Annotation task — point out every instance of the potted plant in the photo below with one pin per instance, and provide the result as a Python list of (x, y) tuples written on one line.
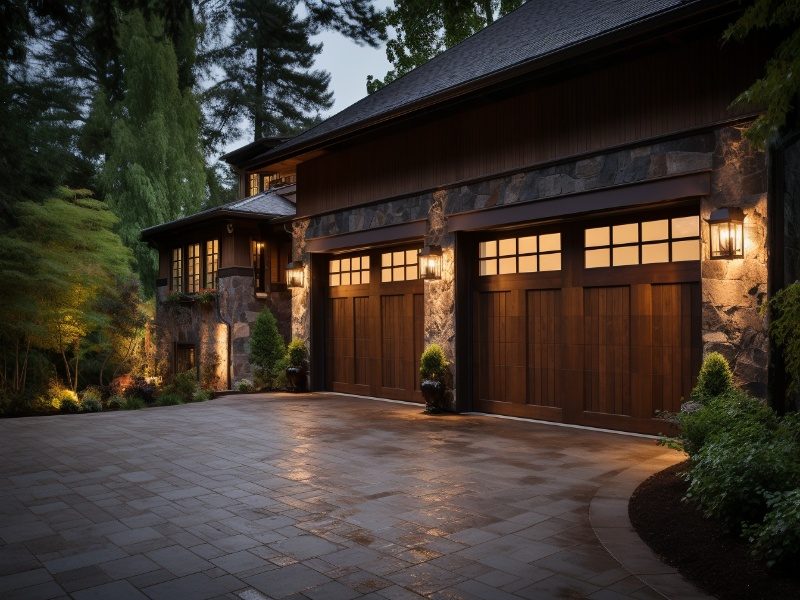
[(297, 369), (433, 370)]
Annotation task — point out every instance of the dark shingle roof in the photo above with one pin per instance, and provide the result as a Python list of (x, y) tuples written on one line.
[(272, 205), (537, 30)]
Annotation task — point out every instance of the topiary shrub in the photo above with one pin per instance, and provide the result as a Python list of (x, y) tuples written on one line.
[(715, 378), (244, 385), (91, 404), (202, 396), (169, 399), (133, 403), (116, 403), (267, 348), (433, 363), (297, 353)]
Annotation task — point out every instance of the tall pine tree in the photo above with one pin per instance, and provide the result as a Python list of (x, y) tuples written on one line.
[(153, 170)]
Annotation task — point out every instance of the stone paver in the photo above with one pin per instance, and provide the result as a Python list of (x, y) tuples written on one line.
[(315, 496)]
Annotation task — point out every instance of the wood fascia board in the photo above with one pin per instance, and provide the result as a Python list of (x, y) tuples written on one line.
[(630, 195), (368, 237)]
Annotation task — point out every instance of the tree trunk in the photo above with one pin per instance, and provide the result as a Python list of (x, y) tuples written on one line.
[(67, 367), (487, 9), (258, 101)]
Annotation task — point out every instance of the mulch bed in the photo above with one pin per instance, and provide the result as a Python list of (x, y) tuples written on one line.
[(699, 548)]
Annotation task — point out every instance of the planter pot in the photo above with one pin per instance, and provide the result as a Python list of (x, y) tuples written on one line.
[(433, 392), (296, 376)]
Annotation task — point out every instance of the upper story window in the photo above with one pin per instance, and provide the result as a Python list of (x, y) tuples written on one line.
[(186, 271), (269, 265), (348, 271), (527, 254), (401, 265), (646, 242), (176, 270), (253, 184)]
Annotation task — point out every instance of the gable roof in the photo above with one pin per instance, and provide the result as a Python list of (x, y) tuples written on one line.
[(275, 205), (538, 33)]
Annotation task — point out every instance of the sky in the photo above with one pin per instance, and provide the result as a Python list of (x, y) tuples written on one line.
[(349, 64)]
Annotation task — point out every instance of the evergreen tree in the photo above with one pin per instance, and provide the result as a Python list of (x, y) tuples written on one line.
[(425, 28), (267, 347), (777, 91), (154, 169)]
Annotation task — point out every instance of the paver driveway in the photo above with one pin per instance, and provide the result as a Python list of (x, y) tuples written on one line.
[(305, 496)]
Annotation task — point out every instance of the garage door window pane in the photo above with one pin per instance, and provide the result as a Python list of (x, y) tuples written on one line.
[(550, 262), (399, 265), (411, 257), (386, 275), (335, 280), (598, 258), (411, 272), (685, 227), (487, 249), (685, 250), (508, 265), (597, 236), (527, 245), (527, 264), (345, 264), (655, 230), (353, 270), (508, 247), (386, 260), (355, 278), (335, 266), (655, 253), (488, 267), (550, 242), (626, 234), (626, 255)]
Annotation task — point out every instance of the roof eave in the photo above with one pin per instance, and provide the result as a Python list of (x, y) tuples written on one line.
[(151, 233)]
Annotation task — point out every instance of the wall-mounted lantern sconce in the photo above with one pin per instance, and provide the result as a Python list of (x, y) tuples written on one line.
[(726, 226), (295, 274), (430, 262)]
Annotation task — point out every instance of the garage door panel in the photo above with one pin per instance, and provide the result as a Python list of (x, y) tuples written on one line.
[(361, 352), (544, 347)]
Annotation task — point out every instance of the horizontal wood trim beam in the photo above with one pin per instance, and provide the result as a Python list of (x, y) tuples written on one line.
[(368, 237), (672, 188)]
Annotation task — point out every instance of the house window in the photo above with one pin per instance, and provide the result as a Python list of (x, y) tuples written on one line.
[(184, 358), (212, 263), (193, 268), (646, 242), (252, 184), (526, 254), (270, 180), (259, 266), (348, 271), (177, 270), (399, 266)]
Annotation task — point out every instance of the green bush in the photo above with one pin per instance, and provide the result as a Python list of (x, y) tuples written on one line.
[(183, 385), (244, 385), (202, 396), (777, 538), (91, 403), (133, 403), (69, 404), (432, 363), (296, 353), (715, 378), (734, 471), (169, 399), (783, 328), (116, 403), (267, 348), (731, 409), (92, 393)]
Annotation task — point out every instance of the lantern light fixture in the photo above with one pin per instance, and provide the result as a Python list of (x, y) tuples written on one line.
[(430, 262), (726, 227), (295, 274)]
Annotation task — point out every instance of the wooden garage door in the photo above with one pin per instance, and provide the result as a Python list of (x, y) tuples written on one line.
[(594, 323), (375, 319)]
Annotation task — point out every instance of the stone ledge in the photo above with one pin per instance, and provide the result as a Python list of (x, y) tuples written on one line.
[(608, 516)]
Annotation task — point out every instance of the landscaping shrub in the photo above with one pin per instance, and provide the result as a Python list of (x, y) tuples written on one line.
[(244, 385), (202, 395), (63, 399), (267, 348), (169, 399), (183, 385), (777, 538), (133, 403), (296, 353), (783, 328), (91, 404), (69, 405), (92, 392), (715, 378), (116, 403), (140, 388), (433, 363)]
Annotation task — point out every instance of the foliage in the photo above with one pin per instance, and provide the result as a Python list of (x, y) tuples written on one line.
[(154, 169), (777, 91), (433, 363), (267, 348), (244, 385), (777, 538), (783, 328), (183, 385), (170, 399), (133, 403), (209, 363), (202, 395), (68, 403), (142, 389), (297, 353), (91, 404), (715, 378), (424, 29), (116, 403), (92, 393)]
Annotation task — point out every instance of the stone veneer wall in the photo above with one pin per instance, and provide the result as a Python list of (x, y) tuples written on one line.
[(732, 290), (206, 326)]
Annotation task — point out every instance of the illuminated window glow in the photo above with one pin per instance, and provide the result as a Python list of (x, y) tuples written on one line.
[(401, 265), (353, 270), (526, 254), (176, 270), (212, 263)]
